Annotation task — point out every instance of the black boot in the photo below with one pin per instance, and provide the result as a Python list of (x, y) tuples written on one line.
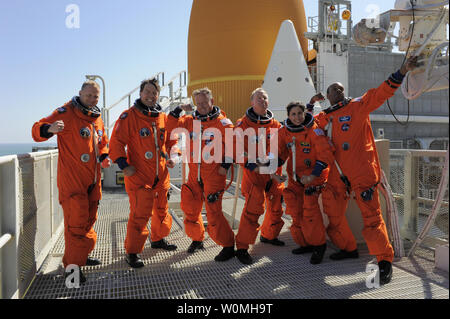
[(385, 271), (194, 246), (163, 244), (303, 250), (82, 277), (317, 255), (225, 254), (134, 260), (244, 257), (275, 241), (91, 261), (343, 254)]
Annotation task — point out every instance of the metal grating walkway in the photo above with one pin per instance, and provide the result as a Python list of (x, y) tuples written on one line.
[(276, 272)]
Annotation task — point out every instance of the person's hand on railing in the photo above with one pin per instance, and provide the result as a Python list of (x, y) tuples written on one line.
[(56, 127)]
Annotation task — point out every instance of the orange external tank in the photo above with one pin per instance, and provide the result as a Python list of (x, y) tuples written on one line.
[(230, 43)]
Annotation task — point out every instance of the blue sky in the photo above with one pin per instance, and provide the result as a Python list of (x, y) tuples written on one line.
[(43, 63)]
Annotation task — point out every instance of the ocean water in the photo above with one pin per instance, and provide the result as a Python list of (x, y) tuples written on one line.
[(20, 148)]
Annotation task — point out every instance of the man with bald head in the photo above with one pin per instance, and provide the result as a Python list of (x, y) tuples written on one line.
[(260, 185), (82, 149), (357, 169), (207, 172)]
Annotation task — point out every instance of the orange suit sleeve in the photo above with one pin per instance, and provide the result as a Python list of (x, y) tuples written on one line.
[(324, 150), (39, 130), (374, 98), (119, 137), (283, 151)]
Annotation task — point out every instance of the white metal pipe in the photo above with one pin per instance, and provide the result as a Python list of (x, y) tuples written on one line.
[(409, 202), (431, 5), (392, 214), (36, 155), (418, 153), (176, 219), (132, 91), (174, 187), (412, 118), (434, 56), (421, 200), (4, 240)]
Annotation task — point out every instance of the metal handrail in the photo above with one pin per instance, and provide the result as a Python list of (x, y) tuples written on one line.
[(177, 94), (421, 199), (134, 90), (181, 76), (7, 158), (418, 153), (5, 239), (109, 126)]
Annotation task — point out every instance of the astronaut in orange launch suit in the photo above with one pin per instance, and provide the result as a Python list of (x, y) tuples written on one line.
[(82, 145), (142, 130), (261, 188), (347, 125), (207, 176), (309, 155)]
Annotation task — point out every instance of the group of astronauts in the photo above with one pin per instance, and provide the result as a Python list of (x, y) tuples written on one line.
[(332, 154)]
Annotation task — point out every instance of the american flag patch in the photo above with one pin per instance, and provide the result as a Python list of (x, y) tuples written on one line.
[(226, 122), (319, 132)]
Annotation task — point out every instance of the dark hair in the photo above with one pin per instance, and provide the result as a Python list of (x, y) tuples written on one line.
[(294, 104), (151, 81)]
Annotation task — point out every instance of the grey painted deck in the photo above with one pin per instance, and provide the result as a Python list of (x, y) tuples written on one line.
[(276, 272)]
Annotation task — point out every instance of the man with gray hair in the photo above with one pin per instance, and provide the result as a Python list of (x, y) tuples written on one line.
[(207, 179), (260, 190)]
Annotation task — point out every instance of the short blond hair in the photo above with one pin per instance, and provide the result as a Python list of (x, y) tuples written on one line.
[(90, 83), (257, 90), (205, 91)]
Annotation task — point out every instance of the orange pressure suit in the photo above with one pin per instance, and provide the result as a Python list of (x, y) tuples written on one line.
[(143, 132), (259, 189), (82, 146), (209, 186), (351, 134), (313, 155)]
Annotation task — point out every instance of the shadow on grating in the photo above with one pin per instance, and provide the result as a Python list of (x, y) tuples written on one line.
[(275, 273)]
